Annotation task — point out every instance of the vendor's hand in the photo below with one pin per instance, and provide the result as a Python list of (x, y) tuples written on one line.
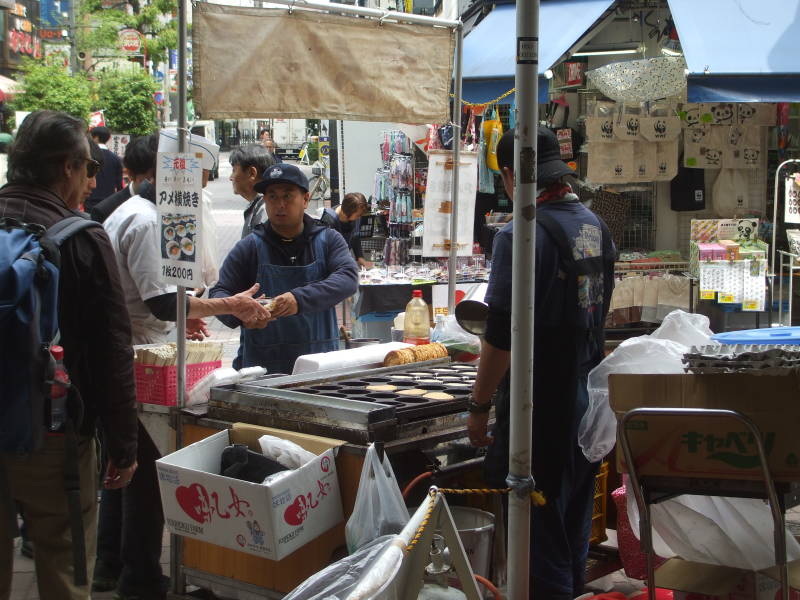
[(363, 262), (477, 429), (248, 309), (117, 478), (197, 330), (284, 305)]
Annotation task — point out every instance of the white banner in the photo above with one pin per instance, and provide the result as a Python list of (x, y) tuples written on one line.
[(791, 208), (179, 188), (438, 203)]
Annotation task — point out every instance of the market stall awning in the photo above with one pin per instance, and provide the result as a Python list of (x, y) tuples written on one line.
[(743, 51), (9, 87), (490, 48), (305, 64)]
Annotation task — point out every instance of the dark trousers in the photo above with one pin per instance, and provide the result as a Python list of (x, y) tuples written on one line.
[(131, 526), (560, 530)]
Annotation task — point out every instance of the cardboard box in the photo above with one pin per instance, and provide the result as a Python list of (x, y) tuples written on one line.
[(270, 521), (708, 447), (698, 581)]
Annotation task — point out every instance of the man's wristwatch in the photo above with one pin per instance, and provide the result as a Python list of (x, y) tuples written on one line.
[(476, 408)]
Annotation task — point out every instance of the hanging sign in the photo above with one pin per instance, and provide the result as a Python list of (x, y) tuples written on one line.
[(791, 210), (118, 142), (130, 41), (439, 206), (179, 188), (96, 119)]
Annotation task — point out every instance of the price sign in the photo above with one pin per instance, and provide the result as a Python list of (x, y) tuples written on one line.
[(708, 295), (179, 188), (726, 298)]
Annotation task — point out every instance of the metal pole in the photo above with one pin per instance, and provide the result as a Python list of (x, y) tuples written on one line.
[(775, 210), (452, 263), (73, 37), (522, 297), (176, 555)]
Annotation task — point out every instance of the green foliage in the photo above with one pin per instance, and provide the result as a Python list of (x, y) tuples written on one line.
[(127, 99), (98, 33), (54, 89)]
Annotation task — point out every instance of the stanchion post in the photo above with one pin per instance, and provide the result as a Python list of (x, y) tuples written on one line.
[(176, 555), (522, 298)]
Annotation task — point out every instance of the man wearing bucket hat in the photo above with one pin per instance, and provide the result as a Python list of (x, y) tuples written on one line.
[(574, 280), (304, 266)]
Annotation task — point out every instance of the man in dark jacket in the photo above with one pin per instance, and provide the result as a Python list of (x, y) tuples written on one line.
[(346, 219), (109, 179), (574, 280), (139, 161), (306, 268), (49, 165)]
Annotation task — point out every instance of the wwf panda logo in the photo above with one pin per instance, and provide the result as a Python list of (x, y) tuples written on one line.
[(632, 126)]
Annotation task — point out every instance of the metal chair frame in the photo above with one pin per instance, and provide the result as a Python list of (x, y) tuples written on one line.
[(647, 491)]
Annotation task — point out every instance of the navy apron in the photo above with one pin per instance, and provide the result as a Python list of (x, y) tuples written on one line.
[(277, 346)]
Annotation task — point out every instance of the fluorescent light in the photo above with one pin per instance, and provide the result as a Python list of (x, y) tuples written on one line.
[(548, 74), (605, 52), (670, 52)]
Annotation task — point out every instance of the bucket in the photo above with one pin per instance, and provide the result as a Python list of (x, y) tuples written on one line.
[(359, 342), (476, 530)]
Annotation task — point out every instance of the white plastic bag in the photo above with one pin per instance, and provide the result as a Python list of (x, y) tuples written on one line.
[(338, 580), (456, 339), (379, 508), (289, 454), (685, 328), (733, 532), (660, 353)]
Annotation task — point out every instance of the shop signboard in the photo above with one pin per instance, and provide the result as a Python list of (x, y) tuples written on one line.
[(179, 188), (269, 520), (131, 41), (23, 36), (439, 207), (56, 55), (96, 119)]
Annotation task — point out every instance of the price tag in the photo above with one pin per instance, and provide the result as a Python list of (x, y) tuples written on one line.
[(707, 295), (750, 305), (726, 299)]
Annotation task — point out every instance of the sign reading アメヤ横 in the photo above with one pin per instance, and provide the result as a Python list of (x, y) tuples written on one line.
[(179, 187)]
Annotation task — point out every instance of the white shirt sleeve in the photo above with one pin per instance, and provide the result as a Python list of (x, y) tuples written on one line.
[(141, 249)]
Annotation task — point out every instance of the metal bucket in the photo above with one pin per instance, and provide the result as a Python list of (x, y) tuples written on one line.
[(476, 530), (359, 342)]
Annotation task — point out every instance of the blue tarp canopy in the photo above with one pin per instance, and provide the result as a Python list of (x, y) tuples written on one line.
[(742, 51), (489, 58)]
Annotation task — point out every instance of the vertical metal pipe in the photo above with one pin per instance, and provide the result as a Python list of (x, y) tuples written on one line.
[(452, 263), (523, 293), (176, 573)]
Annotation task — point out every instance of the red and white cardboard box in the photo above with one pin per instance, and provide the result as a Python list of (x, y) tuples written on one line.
[(272, 520)]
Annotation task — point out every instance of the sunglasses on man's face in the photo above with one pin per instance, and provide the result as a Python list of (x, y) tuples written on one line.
[(92, 167)]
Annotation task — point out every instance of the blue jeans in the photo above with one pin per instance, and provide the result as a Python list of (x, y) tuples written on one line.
[(131, 526)]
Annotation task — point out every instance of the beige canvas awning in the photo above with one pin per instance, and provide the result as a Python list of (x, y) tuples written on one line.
[(259, 63)]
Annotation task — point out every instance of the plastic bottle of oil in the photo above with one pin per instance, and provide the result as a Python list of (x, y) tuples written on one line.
[(417, 326)]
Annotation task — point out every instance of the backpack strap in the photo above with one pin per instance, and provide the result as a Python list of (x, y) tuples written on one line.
[(66, 228)]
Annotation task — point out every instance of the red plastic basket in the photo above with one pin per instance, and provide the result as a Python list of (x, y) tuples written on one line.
[(158, 385)]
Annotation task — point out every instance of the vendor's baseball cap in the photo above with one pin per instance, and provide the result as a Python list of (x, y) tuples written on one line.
[(282, 173), (549, 166)]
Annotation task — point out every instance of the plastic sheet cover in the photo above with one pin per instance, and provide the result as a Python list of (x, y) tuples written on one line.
[(311, 65)]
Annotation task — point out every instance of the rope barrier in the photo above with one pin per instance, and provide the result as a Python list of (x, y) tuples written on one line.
[(537, 499), (490, 102)]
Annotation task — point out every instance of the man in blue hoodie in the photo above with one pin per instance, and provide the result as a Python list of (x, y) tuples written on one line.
[(305, 267)]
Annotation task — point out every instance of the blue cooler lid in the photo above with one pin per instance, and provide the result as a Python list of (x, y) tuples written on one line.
[(770, 335)]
